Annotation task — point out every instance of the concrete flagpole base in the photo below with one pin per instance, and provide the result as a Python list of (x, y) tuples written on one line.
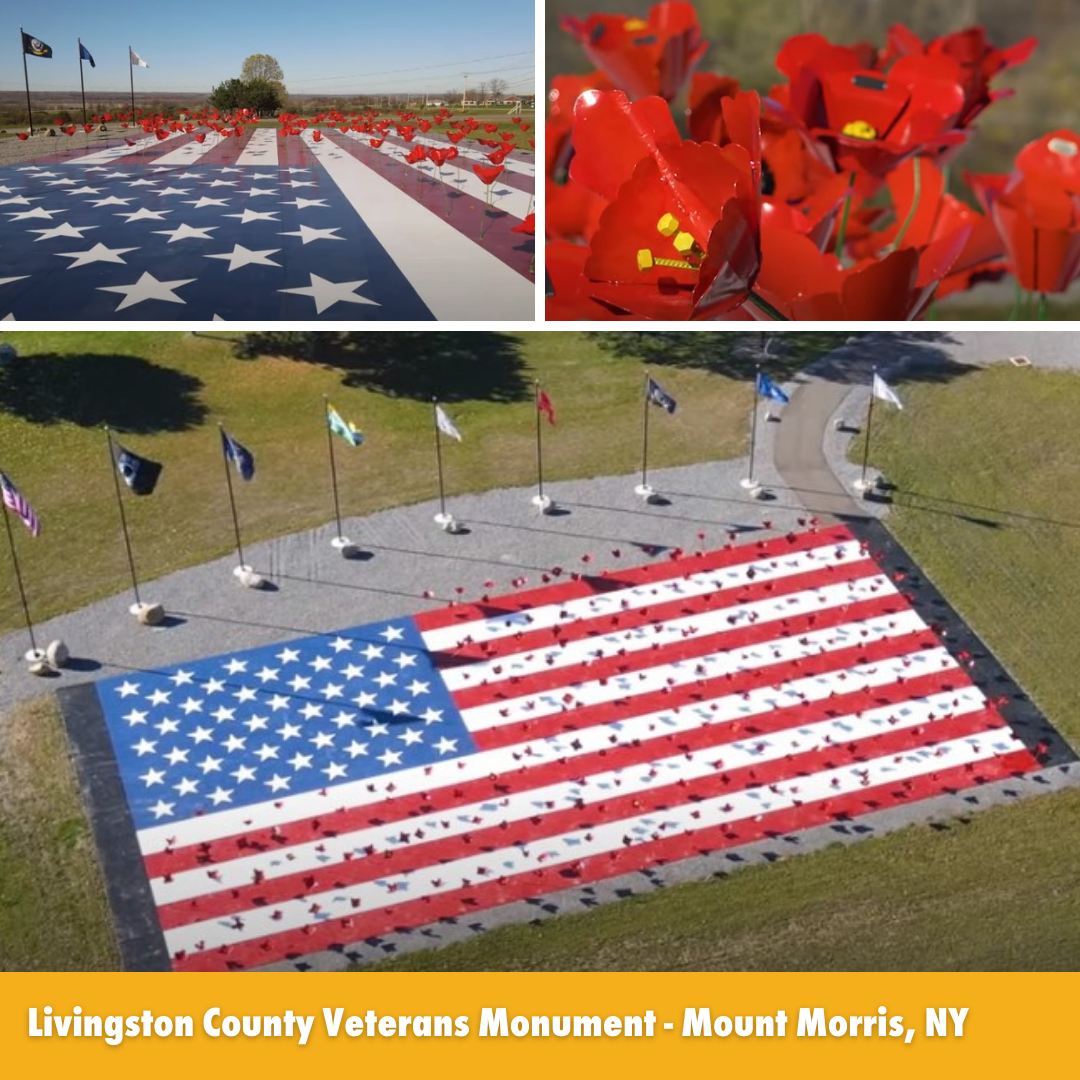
[(447, 523), (865, 486), (247, 577), (752, 487), (147, 614), (343, 544), (645, 492), (47, 661), (543, 503)]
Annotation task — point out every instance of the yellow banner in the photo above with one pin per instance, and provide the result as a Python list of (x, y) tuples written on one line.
[(403, 1025)]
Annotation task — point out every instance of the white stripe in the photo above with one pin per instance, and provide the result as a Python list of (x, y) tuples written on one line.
[(321, 853), (649, 635), (190, 152), (103, 157), (262, 149), (544, 616), (454, 276), (515, 202), (549, 853), (731, 662), (517, 165), (723, 709)]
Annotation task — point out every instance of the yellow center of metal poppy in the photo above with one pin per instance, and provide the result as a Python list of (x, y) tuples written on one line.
[(681, 241), (859, 129), (635, 24)]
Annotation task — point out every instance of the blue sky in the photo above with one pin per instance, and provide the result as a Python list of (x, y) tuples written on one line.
[(326, 46)]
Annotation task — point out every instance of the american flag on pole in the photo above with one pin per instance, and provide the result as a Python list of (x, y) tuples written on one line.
[(197, 225), (18, 505), (301, 797)]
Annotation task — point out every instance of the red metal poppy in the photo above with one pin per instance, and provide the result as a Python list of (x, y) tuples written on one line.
[(934, 215), (870, 121), (643, 56), (801, 282), (979, 61), (488, 174), (376, 143), (528, 226), (1037, 212), (678, 239)]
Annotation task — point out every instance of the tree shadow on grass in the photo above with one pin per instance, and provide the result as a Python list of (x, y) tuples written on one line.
[(449, 365), (125, 392), (783, 354)]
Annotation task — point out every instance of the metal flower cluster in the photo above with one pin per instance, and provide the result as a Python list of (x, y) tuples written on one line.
[(825, 200)]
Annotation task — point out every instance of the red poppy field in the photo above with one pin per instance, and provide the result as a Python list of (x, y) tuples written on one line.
[(826, 197)]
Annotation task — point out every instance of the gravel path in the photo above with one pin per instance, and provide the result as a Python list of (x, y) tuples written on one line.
[(13, 150)]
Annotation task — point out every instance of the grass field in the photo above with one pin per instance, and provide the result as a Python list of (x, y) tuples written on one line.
[(53, 912), (163, 393)]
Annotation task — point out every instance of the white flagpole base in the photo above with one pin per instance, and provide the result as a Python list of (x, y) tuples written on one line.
[(865, 485), (57, 654), (343, 544), (447, 523), (543, 503), (247, 577), (751, 487), (38, 663), (35, 656), (147, 614), (645, 492)]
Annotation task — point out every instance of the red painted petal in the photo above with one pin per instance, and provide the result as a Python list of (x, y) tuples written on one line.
[(611, 136)]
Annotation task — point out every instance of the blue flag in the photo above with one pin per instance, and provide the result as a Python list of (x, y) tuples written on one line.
[(84, 54), (659, 396), (139, 473), (241, 457), (766, 388)]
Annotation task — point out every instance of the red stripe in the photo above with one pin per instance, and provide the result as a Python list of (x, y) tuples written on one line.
[(580, 629), (488, 894), (432, 853), (665, 570), (525, 776), (574, 716), (606, 667)]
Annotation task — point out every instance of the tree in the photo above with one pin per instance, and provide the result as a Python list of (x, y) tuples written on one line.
[(228, 96), (262, 66), (497, 88), (262, 97)]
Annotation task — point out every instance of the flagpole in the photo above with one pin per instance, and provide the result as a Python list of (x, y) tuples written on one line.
[(82, 85), (333, 465), (438, 457), (131, 72), (753, 420), (539, 451), (232, 499), (18, 578), (645, 437), (26, 76), (123, 517), (869, 419)]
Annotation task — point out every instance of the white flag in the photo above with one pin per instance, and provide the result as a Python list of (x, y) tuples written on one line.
[(136, 59), (885, 392), (446, 425)]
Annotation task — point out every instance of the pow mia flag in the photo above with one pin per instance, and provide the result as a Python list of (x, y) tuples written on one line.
[(139, 473)]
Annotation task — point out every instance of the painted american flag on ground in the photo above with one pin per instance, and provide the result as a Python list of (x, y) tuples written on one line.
[(263, 227), (300, 797)]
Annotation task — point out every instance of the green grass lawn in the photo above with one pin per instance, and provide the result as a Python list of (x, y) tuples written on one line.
[(987, 469), (165, 392), (53, 911)]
